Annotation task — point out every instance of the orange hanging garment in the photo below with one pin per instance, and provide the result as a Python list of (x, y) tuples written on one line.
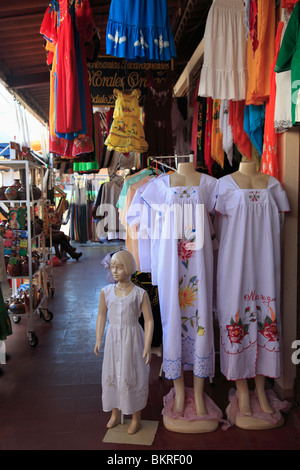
[(260, 53), (217, 152)]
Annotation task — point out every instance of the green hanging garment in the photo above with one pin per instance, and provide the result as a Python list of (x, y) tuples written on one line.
[(5, 324)]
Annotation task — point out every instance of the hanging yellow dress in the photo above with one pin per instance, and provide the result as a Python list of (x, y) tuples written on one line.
[(127, 133)]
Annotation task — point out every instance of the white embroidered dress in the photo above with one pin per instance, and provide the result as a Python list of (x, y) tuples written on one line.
[(184, 273), (248, 278), (125, 377)]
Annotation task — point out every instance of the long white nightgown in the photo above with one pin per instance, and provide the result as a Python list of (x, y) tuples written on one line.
[(125, 376), (248, 278), (184, 273)]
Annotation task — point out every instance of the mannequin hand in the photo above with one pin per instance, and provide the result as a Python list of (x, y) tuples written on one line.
[(97, 348), (147, 355)]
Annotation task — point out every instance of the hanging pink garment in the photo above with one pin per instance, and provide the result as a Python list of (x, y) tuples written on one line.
[(208, 130)]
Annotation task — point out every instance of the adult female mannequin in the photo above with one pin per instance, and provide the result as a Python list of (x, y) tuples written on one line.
[(248, 285), (184, 279), (187, 176), (247, 177)]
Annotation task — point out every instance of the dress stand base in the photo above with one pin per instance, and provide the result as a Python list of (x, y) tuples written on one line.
[(189, 422), (190, 427), (259, 420), (252, 423)]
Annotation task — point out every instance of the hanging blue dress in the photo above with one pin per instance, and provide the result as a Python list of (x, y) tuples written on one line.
[(140, 30)]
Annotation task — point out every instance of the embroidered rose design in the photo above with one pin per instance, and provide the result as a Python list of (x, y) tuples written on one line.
[(184, 251), (269, 327), (237, 330), (186, 247)]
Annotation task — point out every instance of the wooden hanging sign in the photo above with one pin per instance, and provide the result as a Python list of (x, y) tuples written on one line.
[(110, 72)]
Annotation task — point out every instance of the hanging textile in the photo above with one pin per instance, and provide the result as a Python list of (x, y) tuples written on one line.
[(179, 127), (289, 59), (107, 213), (158, 121), (126, 133), (139, 30), (224, 71), (283, 105), (236, 121), (226, 130), (198, 126), (81, 209), (67, 27), (254, 119), (269, 162), (208, 130), (5, 323), (288, 4), (217, 152), (260, 51)]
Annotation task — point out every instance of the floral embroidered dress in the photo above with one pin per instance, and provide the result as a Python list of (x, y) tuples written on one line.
[(184, 268), (125, 376), (126, 133), (248, 278)]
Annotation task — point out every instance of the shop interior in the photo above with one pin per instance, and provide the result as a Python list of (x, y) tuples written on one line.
[(127, 128)]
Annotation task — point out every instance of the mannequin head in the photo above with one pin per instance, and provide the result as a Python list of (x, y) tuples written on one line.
[(123, 259)]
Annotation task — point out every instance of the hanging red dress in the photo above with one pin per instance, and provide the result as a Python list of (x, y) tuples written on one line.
[(68, 116), (288, 4), (269, 162), (71, 115), (236, 121)]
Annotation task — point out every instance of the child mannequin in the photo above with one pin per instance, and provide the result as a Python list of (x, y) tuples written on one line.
[(127, 351)]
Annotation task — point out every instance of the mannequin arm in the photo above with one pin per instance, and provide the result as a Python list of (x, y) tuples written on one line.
[(101, 321), (148, 327)]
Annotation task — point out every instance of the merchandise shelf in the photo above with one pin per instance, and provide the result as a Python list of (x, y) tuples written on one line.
[(35, 242)]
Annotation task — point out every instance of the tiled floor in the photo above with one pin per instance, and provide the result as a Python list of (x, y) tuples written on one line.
[(50, 395)]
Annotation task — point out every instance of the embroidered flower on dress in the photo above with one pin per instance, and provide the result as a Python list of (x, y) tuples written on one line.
[(269, 328), (237, 330), (188, 294), (254, 196), (187, 297), (186, 247)]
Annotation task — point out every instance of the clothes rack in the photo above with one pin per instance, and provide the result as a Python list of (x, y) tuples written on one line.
[(170, 157)]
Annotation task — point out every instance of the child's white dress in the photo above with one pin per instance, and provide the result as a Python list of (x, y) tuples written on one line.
[(125, 377)]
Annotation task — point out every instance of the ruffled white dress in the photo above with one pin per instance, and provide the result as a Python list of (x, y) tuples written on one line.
[(125, 376), (224, 70)]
